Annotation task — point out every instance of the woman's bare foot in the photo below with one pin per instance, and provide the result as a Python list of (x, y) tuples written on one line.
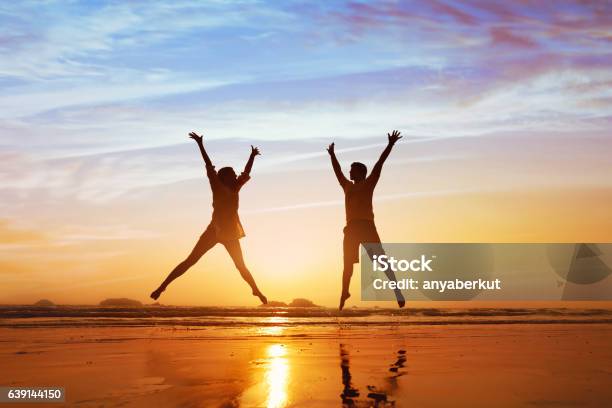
[(343, 299), (156, 293), (261, 297)]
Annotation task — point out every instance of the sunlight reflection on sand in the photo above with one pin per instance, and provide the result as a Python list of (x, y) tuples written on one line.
[(273, 330), (277, 376), (271, 388)]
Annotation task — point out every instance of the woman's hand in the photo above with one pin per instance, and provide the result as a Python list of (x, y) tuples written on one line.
[(196, 137), (255, 151), (330, 149)]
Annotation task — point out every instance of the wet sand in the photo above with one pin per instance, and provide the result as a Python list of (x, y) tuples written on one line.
[(321, 366)]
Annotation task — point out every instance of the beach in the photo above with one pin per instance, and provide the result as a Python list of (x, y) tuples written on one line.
[(278, 358)]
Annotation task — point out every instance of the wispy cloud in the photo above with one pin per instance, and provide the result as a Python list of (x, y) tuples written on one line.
[(10, 235), (335, 203)]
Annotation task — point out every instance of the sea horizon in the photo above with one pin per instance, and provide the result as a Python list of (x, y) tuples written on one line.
[(26, 316)]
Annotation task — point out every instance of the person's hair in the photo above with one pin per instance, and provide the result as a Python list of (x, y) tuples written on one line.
[(360, 169), (227, 176)]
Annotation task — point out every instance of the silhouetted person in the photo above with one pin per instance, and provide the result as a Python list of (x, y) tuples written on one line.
[(349, 393), (225, 227), (360, 227)]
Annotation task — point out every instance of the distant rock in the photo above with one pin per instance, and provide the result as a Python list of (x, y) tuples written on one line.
[(274, 303), (121, 302), (300, 302), (44, 303)]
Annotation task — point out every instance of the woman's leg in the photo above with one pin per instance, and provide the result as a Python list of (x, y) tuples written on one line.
[(235, 251), (207, 240)]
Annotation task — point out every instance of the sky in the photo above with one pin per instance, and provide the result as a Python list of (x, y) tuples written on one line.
[(505, 108)]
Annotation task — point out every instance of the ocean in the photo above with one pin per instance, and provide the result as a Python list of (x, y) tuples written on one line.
[(151, 316)]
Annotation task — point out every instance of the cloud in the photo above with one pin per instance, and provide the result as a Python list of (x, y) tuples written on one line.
[(335, 203), (456, 13), (82, 54), (93, 107), (79, 38), (123, 77), (10, 235), (131, 87), (502, 36)]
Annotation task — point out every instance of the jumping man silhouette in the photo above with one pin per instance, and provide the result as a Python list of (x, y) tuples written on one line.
[(360, 227)]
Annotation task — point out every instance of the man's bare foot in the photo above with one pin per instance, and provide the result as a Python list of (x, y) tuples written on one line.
[(261, 297), (343, 299), (400, 299), (156, 293)]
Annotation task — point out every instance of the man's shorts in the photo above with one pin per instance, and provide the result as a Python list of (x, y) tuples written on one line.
[(359, 232)]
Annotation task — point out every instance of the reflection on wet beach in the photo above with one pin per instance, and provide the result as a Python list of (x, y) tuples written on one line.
[(277, 375), (273, 326), (348, 391), (271, 377), (280, 377), (376, 396)]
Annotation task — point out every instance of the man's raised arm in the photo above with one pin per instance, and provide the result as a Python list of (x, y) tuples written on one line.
[(393, 138), (207, 162), (337, 169)]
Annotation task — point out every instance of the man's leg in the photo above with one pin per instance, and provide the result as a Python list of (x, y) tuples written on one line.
[(350, 249), (207, 241), (347, 273), (374, 247), (235, 251)]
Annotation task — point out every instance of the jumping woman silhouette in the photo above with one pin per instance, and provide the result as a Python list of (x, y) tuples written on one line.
[(225, 226)]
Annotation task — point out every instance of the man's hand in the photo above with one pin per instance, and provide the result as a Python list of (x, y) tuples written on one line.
[(255, 151), (394, 137), (196, 137), (330, 148)]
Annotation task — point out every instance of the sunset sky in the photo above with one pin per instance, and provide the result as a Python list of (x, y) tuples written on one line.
[(505, 108)]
